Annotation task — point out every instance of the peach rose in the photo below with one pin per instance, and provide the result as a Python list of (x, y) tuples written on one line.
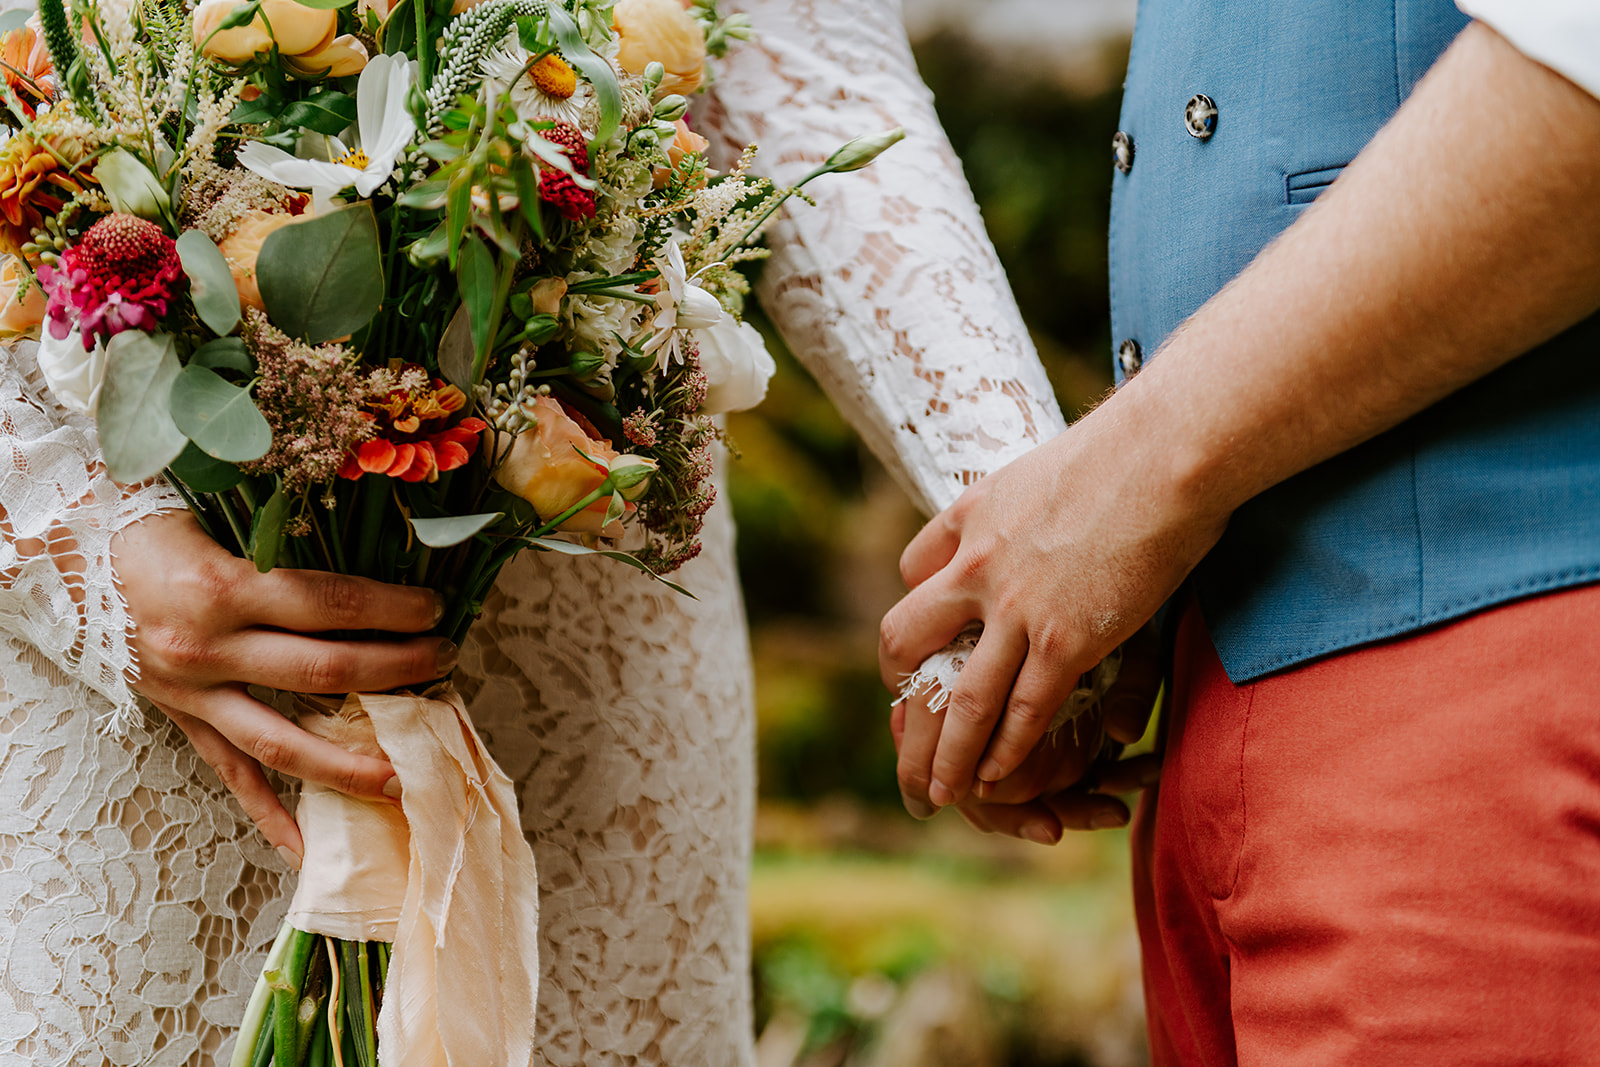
[(241, 247), (18, 316), (27, 65), (685, 143), (661, 31), (545, 469), (307, 37)]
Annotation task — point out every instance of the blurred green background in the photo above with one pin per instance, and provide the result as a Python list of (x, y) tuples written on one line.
[(879, 941)]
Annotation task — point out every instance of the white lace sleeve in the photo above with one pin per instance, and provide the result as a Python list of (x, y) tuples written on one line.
[(59, 510), (888, 290)]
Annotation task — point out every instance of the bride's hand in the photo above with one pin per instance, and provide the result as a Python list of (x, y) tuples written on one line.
[(1062, 555), (207, 625)]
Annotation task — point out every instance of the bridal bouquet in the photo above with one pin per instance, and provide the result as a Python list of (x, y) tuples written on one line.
[(395, 290)]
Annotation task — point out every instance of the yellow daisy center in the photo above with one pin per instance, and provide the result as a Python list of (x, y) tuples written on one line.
[(354, 158), (553, 77)]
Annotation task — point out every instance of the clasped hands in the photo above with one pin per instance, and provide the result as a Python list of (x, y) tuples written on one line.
[(1063, 556)]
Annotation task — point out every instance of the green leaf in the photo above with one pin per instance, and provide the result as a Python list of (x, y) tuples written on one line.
[(266, 534), (575, 50), (327, 112), (528, 195), (323, 278), (475, 274), (424, 196), (219, 416), (202, 474), (426, 251), (225, 353), (457, 212), (216, 298), (254, 112), (567, 548), (137, 434), (454, 529), (325, 5)]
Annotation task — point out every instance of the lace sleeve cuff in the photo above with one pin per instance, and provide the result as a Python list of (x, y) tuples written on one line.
[(59, 510)]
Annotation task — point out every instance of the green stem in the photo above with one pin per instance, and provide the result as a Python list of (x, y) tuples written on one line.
[(255, 1011), (373, 498), (287, 981), (424, 49)]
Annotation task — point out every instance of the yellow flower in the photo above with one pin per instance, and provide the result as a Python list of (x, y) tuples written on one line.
[(18, 316), (241, 247), (663, 32), (306, 37)]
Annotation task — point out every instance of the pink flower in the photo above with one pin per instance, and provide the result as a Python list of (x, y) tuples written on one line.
[(120, 276)]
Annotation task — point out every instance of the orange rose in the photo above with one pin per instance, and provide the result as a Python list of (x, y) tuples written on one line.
[(241, 247), (545, 469), (18, 316), (306, 37), (661, 31)]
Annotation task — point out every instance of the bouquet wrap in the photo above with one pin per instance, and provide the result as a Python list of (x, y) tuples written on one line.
[(448, 878)]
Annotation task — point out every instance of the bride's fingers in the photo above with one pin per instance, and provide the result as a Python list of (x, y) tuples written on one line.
[(1128, 775), (1133, 697), (976, 701), (919, 737), (1033, 821), (243, 778), (1087, 811), (273, 741), (934, 546), (317, 601), (298, 664)]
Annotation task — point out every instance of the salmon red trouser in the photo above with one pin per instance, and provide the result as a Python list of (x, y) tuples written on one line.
[(1388, 857)]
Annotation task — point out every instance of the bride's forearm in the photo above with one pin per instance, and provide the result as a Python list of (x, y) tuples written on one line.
[(1465, 234)]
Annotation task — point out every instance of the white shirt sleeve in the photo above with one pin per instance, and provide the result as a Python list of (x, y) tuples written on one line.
[(1564, 35)]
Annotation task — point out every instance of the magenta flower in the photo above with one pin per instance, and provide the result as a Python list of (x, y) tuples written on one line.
[(120, 276)]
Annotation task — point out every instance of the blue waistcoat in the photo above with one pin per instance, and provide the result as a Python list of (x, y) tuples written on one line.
[(1236, 114)]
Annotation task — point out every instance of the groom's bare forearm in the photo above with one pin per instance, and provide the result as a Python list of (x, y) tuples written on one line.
[(1465, 234)]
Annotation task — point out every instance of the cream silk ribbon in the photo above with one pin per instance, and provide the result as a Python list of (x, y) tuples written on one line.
[(448, 878)]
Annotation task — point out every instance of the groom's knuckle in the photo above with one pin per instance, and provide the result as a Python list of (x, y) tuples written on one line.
[(891, 638), (325, 670), (968, 709), (341, 601)]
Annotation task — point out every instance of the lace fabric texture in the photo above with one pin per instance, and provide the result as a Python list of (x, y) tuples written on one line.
[(137, 901)]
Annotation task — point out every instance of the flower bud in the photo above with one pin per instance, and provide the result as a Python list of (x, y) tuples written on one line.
[(853, 155), (653, 73), (698, 309), (630, 476), (671, 108), (130, 186), (584, 365)]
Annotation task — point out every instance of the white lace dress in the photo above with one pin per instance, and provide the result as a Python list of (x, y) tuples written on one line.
[(136, 901)]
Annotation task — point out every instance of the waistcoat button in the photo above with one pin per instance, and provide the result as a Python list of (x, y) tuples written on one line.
[(1130, 357), (1122, 151), (1200, 116)]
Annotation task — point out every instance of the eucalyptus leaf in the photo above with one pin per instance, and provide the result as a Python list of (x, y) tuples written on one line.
[(225, 353), (567, 548), (203, 474), (219, 416), (323, 278), (528, 195), (455, 352), (599, 73), (453, 529), (216, 298), (266, 535), (327, 112), (475, 274), (137, 434)]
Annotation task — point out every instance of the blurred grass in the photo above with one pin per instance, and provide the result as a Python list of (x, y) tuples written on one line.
[(879, 941)]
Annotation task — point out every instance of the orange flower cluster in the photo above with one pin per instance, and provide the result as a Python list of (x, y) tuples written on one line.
[(34, 186), (25, 62), (416, 440)]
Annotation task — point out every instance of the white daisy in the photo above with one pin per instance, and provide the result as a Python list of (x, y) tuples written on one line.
[(546, 91), (383, 124)]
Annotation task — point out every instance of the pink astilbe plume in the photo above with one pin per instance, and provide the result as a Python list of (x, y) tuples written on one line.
[(120, 276)]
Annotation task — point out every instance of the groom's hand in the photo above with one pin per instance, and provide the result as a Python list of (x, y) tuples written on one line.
[(1058, 786), (1063, 555), (207, 626)]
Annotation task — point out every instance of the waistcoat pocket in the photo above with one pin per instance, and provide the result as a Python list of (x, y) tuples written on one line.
[(1306, 186)]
